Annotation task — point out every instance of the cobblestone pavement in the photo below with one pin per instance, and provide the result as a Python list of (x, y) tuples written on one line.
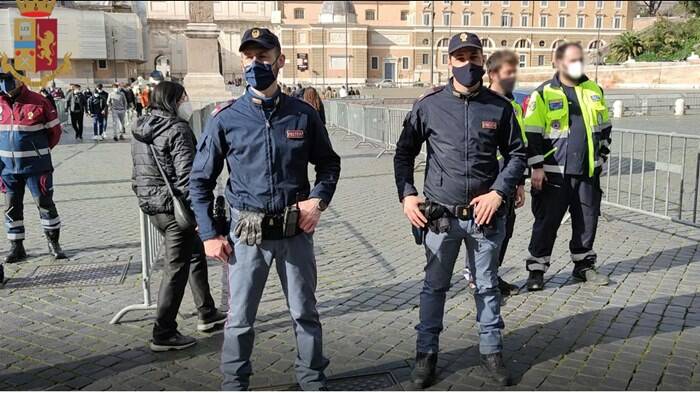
[(640, 332)]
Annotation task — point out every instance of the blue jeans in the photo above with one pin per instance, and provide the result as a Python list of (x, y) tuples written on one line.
[(248, 269), (483, 245), (98, 124)]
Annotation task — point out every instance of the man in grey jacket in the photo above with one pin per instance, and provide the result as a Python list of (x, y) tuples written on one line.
[(118, 106)]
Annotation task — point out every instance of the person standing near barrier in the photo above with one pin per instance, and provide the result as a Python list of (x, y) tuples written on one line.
[(30, 129), (117, 105), (76, 107), (268, 140), (166, 133), (568, 130), (464, 125), (312, 98)]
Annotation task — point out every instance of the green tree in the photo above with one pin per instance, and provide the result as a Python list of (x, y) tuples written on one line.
[(692, 6), (625, 46)]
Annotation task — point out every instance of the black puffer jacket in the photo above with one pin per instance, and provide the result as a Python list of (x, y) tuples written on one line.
[(174, 143)]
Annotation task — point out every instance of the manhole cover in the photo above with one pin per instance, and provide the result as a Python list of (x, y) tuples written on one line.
[(378, 381), (61, 275)]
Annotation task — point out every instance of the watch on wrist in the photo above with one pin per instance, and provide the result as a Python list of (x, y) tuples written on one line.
[(321, 205)]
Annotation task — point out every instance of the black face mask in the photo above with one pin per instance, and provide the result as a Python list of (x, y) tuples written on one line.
[(469, 74), (508, 85)]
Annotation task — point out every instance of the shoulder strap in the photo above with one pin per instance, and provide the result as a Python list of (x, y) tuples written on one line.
[(162, 172)]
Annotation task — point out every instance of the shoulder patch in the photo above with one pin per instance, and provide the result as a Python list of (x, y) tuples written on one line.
[(222, 106), (430, 92)]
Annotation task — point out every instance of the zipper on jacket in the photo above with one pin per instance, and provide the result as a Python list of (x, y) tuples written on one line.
[(466, 141), (268, 142)]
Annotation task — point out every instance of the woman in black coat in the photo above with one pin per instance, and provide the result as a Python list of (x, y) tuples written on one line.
[(167, 130)]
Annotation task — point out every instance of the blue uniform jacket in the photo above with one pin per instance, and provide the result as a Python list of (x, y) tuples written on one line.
[(463, 136), (267, 158)]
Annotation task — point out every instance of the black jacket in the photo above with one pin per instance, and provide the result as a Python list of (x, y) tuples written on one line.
[(463, 135), (174, 143)]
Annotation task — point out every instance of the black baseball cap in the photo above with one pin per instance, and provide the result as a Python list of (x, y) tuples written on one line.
[(261, 36), (462, 40)]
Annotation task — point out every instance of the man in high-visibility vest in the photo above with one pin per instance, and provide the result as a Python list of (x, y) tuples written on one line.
[(568, 132)]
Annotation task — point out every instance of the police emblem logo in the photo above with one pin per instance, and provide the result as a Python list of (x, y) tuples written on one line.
[(556, 124), (489, 124), (295, 134), (255, 33), (595, 97), (556, 104), (531, 105), (463, 37)]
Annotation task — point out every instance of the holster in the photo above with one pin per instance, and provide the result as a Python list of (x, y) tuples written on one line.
[(281, 226)]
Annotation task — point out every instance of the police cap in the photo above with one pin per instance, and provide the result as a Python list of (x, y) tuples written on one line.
[(463, 40), (261, 36)]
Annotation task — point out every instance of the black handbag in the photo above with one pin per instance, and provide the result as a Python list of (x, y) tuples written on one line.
[(183, 214)]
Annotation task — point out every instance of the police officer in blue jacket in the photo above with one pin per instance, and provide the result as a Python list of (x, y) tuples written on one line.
[(267, 140), (464, 126)]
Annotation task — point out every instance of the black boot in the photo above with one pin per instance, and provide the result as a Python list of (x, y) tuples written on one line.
[(590, 275), (54, 247), (423, 374), (535, 281), (16, 253), (494, 368), (507, 288)]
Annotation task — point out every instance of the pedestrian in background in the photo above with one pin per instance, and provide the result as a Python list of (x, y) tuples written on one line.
[(311, 97), (97, 107), (76, 107), (46, 94), (117, 105), (165, 132)]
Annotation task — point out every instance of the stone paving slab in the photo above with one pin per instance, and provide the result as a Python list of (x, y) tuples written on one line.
[(640, 332)]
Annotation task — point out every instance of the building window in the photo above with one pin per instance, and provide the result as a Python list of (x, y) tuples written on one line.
[(599, 4), (466, 2), (338, 63), (524, 3), (465, 19), (446, 20), (302, 37), (617, 22), (618, 4), (599, 21), (486, 43), (486, 20), (522, 43), (486, 2), (524, 20), (298, 13), (506, 20), (505, 3), (404, 15), (544, 3), (522, 62), (596, 44), (541, 43), (540, 60), (369, 14), (404, 63), (446, 2), (562, 20), (444, 58), (426, 58), (504, 43), (375, 62), (543, 20), (580, 20), (581, 4), (426, 19), (102, 64), (562, 3)]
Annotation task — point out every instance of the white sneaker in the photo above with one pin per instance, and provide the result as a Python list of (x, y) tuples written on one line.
[(95, 138), (102, 137)]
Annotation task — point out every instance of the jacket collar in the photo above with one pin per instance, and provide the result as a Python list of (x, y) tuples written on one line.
[(450, 89), (23, 91), (265, 102), (556, 82)]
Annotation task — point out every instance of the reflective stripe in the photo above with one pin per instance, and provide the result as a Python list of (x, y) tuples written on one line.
[(537, 263), (34, 127), (557, 134), (53, 123), (599, 162), (600, 127), (15, 224), (549, 153), (538, 259), (554, 168), (534, 129), (51, 221), (15, 236), (535, 160), (57, 226), (23, 154), (581, 257), (537, 267)]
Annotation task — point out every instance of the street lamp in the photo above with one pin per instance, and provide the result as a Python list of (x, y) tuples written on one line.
[(114, 54), (597, 44)]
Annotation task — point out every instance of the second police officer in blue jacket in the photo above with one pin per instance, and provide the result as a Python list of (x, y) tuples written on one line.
[(267, 140), (464, 126)]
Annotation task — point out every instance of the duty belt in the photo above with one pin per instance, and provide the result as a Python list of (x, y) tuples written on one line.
[(462, 212), (273, 225)]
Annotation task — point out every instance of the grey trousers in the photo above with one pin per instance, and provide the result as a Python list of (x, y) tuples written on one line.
[(248, 269)]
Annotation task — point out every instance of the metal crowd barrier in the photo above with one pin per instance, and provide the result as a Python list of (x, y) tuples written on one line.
[(647, 172), (151, 244), (654, 104)]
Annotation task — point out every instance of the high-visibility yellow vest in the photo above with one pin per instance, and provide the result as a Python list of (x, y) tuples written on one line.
[(547, 117), (519, 118)]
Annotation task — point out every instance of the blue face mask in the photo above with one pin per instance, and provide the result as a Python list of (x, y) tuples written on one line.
[(469, 74), (7, 85), (259, 75)]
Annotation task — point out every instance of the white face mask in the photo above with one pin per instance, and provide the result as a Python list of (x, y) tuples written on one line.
[(184, 111), (575, 70)]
